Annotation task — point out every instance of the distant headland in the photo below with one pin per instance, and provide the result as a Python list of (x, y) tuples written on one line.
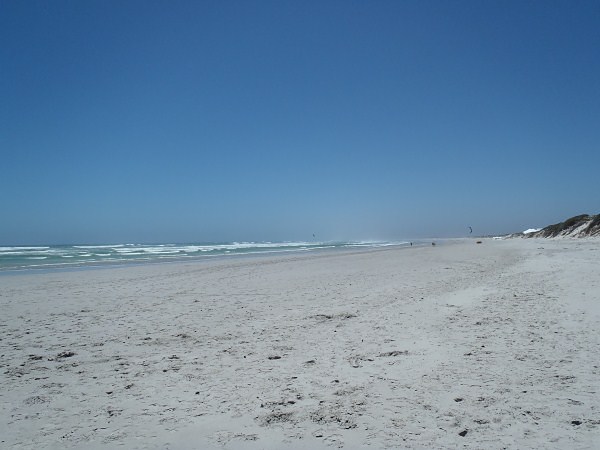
[(584, 225)]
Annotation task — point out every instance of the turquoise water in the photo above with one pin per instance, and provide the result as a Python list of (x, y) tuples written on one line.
[(65, 256)]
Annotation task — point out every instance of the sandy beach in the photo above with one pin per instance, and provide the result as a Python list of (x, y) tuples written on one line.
[(494, 345)]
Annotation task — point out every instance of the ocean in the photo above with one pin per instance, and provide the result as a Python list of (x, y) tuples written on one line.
[(16, 258)]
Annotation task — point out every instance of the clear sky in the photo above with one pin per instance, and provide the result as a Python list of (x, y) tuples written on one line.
[(177, 121)]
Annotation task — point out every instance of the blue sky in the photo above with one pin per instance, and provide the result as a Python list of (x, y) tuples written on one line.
[(144, 121)]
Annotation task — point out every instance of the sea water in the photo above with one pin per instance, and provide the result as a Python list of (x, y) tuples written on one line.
[(64, 256)]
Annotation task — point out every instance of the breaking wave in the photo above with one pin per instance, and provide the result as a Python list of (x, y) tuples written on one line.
[(60, 256)]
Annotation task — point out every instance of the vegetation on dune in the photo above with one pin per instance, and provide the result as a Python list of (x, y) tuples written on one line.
[(569, 227), (593, 228), (557, 228)]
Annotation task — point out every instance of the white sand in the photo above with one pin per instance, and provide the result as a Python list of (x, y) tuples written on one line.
[(394, 348)]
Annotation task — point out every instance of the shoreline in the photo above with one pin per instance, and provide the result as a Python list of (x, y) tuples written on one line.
[(454, 345), (277, 249), (204, 259)]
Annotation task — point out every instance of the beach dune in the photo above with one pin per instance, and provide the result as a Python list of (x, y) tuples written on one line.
[(482, 346)]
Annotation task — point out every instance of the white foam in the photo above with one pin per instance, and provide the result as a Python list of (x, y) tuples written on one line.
[(126, 251), (88, 254), (98, 246), (2, 249), (24, 253), (374, 244)]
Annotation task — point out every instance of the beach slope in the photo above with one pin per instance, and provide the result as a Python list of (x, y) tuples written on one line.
[(479, 346)]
